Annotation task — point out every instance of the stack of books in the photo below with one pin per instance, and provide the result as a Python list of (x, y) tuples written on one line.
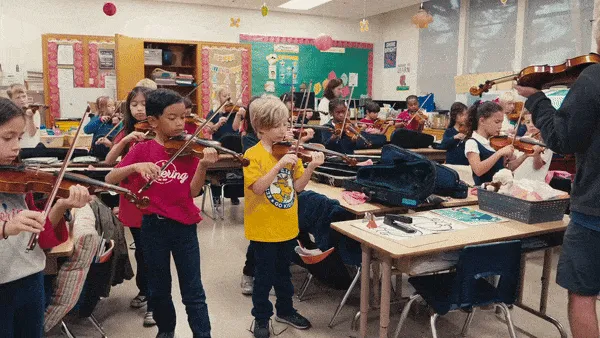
[(184, 80)]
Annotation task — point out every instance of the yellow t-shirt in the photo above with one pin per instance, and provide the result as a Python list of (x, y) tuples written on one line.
[(272, 216)]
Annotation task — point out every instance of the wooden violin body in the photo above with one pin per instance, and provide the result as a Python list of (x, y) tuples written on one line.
[(196, 148), (350, 130), (544, 76), (522, 144), (20, 180)]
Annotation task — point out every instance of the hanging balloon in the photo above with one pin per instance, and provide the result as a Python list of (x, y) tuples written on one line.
[(323, 42), (109, 9)]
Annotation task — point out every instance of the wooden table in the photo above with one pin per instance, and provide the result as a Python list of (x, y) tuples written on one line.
[(392, 253), (437, 155), (335, 193)]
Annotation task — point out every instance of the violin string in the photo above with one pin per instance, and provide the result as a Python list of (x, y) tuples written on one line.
[(303, 117), (345, 115)]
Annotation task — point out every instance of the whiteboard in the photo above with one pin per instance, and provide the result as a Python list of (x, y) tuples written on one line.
[(74, 101)]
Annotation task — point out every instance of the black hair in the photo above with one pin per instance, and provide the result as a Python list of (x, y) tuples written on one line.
[(371, 107), (286, 97), (479, 110), (187, 102), (331, 85), (455, 110), (412, 97), (249, 128), (334, 104), (9, 110), (128, 119), (158, 100)]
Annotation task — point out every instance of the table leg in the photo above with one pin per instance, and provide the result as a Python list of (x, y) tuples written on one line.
[(386, 290), (364, 289)]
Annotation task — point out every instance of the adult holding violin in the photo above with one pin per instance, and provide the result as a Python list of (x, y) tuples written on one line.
[(223, 123), (573, 129), (333, 90), (18, 95), (21, 272)]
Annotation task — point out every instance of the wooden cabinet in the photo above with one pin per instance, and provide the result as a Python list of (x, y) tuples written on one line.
[(437, 133)]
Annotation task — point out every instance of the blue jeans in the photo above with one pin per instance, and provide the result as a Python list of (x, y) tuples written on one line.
[(162, 237), (272, 269), (22, 307)]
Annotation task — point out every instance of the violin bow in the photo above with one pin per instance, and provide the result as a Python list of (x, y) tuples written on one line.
[(304, 97), (303, 117), (517, 127), (195, 88), (420, 107), (346, 114), (190, 140), (61, 174)]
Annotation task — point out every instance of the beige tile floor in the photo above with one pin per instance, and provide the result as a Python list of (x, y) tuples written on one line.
[(223, 248)]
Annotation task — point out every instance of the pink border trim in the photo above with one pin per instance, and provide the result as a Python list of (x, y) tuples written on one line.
[(302, 41)]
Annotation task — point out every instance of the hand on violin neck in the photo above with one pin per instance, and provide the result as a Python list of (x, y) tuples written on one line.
[(318, 158), (288, 160), (210, 156), (525, 91), (79, 196)]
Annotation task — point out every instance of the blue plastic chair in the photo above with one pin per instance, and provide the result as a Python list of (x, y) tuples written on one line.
[(469, 286)]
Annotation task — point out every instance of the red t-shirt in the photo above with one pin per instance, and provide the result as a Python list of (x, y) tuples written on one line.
[(170, 195), (405, 116), (367, 121)]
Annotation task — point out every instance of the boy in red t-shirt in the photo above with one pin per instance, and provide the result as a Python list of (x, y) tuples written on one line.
[(169, 222), (406, 119), (372, 112)]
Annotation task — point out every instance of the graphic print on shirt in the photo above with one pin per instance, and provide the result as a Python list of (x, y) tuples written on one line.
[(281, 192), (170, 173), (7, 213)]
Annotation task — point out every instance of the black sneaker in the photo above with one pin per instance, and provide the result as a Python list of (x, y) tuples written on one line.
[(261, 329), (165, 335), (235, 201), (296, 320)]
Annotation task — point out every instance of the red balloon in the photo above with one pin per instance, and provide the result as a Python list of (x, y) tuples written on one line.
[(109, 9)]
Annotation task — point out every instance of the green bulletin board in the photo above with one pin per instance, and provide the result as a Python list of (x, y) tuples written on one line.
[(277, 62)]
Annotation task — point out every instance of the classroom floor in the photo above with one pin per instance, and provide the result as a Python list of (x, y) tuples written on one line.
[(223, 249)]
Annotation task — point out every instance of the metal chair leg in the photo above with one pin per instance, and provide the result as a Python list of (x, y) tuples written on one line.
[(432, 320), (222, 198), (465, 329), (345, 298), (97, 325), (354, 323), (65, 329), (509, 322), (404, 314), (305, 286)]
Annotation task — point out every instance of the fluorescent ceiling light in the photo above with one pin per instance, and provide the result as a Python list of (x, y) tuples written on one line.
[(303, 4)]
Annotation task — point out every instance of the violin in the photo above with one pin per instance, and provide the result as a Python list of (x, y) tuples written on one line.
[(18, 179), (352, 131), (522, 144), (543, 76), (35, 107), (463, 128), (196, 148), (514, 115), (194, 119), (280, 149), (231, 108)]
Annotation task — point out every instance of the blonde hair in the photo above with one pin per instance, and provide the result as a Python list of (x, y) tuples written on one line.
[(147, 83), (268, 112), (507, 97), (102, 104), (15, 88)]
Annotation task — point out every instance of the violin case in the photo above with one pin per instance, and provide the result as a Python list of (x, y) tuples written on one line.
[(335, 172), (405, 178), (410, 139)]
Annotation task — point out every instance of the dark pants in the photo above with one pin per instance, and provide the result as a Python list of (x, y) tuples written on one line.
[(22, 307), (141, 273), (249, 266), (272, 270), (162, 237)]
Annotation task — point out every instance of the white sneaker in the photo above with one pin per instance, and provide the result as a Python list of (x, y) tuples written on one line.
[(247, 285)]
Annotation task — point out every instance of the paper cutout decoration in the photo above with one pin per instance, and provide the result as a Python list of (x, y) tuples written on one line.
[(271, 59), (323, 42), (364, 25), (504, 2), (109, 9), (344, 79), (317, 88), (331, 75), (264, 10), (325, 82), (345, 91), (270, 86), (235, 22)]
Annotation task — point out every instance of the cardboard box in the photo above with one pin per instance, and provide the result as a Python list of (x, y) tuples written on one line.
[(153, 57), (53, 141)]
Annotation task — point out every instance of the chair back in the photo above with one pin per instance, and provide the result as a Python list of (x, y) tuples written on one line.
[(488, 260), (232, 142)]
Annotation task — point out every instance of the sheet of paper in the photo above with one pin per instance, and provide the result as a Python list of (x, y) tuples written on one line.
[(353, 80), (110, 82), (65, 78), (65, 54)]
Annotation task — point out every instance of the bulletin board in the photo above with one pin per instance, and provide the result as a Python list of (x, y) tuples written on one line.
[(279, 62), (75, 61), (225, 65)]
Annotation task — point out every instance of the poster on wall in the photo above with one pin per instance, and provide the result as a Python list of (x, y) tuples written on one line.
[(403, 70), (389, 54), (287, 69), (106, 58)]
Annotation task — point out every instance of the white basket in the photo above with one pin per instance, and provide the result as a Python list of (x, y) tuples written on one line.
[(52, 141)]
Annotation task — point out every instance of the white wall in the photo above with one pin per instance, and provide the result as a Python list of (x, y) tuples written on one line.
[(396, 26), (22, 23)]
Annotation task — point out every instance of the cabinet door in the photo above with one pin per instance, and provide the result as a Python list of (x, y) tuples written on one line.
[(129, 63)]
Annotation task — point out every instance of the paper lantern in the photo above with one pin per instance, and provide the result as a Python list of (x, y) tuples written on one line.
[(422, 19), (109, 9), (323, 42), (264, 10)]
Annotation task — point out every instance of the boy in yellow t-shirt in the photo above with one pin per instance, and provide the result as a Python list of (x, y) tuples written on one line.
[(271, 214)]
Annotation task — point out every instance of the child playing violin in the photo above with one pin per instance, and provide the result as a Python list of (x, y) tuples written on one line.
[(222, 124), (407, 118), (507, 101), (486, 121), (18, 94), (454, 137), (536, 166), (271, 214), (338, 142), (129, 214), (100, 125), (21, 273), (169, 222), (371, 119)]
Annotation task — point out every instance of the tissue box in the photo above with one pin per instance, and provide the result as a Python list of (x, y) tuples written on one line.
[(153, 57)]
